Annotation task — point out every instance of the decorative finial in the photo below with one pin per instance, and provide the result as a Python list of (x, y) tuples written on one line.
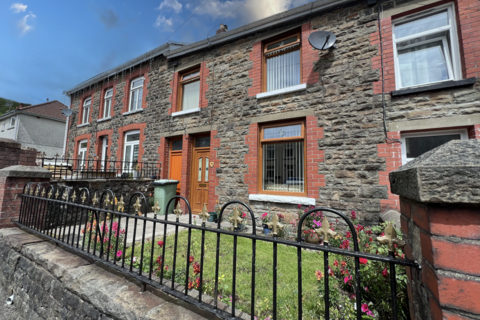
[(275, 224), (178, 211), (390, 238), (30, 192), (74, 196), (156, 209), (50, 193), (121, 205), (95, 199), (204, 214), (137, 205), (83, 197), (43, 193), (236, 218), (107, 200), (325, 230), (65, 195), (57, 194)]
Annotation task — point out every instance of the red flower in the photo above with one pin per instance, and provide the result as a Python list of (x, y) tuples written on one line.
[(348, 234), (363, 261), (191, 259), (160, 243), (385, 273), (335, 263), (344, 264)]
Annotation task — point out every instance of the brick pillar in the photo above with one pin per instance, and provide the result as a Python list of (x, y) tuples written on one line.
[(11, 153), (12, 181), (440, 218)]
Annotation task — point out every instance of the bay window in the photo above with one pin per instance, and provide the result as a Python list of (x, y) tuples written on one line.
[(282, 158), (426, 48), (136, 93)]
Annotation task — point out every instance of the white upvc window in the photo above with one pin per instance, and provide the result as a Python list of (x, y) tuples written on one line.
[(107, 105), (13, 121), (426, 49), (130, 152), (82, 153), (417, 143), (86, 110), (136, 93)]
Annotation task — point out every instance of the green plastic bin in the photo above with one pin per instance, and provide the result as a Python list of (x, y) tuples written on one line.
[(164, 191)]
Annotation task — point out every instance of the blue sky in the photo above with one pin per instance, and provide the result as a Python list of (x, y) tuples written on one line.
[(49, 46)]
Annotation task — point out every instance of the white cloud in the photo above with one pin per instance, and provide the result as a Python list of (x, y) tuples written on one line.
[(22, 24), (163, 22), (174, 4), (18, 7), (251, 10)]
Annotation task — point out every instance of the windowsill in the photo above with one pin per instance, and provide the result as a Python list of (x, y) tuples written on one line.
[(181, 113), (282, 199), (436, 86), (132, 112), (104, 119), (83, 125), (296, 88), (11, 128)]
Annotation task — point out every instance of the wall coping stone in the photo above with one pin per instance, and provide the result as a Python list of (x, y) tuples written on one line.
[(9, 143), (25, 172), (448, 174)]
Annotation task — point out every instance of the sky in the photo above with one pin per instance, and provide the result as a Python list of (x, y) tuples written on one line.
[(49, 46)]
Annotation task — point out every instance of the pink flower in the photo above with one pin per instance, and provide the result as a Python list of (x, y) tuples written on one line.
[(370, 313), (244, 215), (354, 215), (160, 243), (345, 280), (385, 273), (363, 261), (299, 206), (317, 223), (119, 254), (364, 307)]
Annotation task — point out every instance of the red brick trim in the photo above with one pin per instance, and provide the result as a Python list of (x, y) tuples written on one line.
[(251, 159), (213, 180), (314, 157), (87, 137), (392, 152), (142, 72), (121, 138), (204, 73), (310, 55), (109, 85), (474, 132)]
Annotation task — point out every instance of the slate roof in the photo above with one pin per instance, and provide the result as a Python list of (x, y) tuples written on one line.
[(52, 109)]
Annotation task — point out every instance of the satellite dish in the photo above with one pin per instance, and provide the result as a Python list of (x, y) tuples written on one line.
[(67, 112), (322, 40)]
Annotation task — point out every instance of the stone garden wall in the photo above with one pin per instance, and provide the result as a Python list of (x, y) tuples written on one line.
[(49, 283)]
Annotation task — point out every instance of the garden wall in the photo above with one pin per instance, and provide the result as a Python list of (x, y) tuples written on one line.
[(51, 283), (11, 154)]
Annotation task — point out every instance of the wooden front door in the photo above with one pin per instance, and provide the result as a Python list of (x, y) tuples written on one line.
[(200, 173), (176, 162)]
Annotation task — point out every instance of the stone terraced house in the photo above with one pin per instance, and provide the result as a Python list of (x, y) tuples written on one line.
[(257, 114)]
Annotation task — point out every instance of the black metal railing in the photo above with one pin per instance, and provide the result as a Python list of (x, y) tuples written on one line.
[(98, 226), (71, 169)]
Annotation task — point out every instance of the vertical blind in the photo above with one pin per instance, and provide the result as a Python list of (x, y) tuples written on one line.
[(191, 95), (283, 70), (283, 167)]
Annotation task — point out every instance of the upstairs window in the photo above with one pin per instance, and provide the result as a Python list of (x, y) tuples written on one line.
[(282, 63), (107, 105), (13, 120), (86, 110), (426, 48), (190, 90), (136, 93), (283, 158)]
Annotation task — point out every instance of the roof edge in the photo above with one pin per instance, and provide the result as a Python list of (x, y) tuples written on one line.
[(279, 18), (130, 63)]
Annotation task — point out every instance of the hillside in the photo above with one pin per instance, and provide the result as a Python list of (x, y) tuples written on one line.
[(6, 105)]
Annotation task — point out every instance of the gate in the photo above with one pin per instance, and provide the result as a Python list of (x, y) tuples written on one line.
[(101, 225)]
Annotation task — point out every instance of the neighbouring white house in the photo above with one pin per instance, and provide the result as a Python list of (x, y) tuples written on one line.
[(40, 126)]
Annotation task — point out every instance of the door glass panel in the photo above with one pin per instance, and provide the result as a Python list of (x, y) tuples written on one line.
[(202, 142), (128, 155), (206, 168), (200, 160), (177, 145), (135, 153)]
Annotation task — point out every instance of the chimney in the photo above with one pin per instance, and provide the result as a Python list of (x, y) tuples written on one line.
[(223, 28), (47, 99), (20, 106)]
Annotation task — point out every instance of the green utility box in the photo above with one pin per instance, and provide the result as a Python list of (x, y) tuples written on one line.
[(164, 191)]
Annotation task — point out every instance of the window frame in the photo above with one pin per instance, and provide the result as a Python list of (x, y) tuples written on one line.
[(182, 82), (281, 37), (14, 120), (131, 93), (82, 161), (125, 144), (262, 142), (462, 131), (451, 50), (86, 116), (3, 125), (105, 99)]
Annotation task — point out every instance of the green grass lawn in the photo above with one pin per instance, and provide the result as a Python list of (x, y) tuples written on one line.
[(286, 279)]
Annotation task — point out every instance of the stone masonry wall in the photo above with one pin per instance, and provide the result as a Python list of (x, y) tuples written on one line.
[(50, 283), (342, 95)]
